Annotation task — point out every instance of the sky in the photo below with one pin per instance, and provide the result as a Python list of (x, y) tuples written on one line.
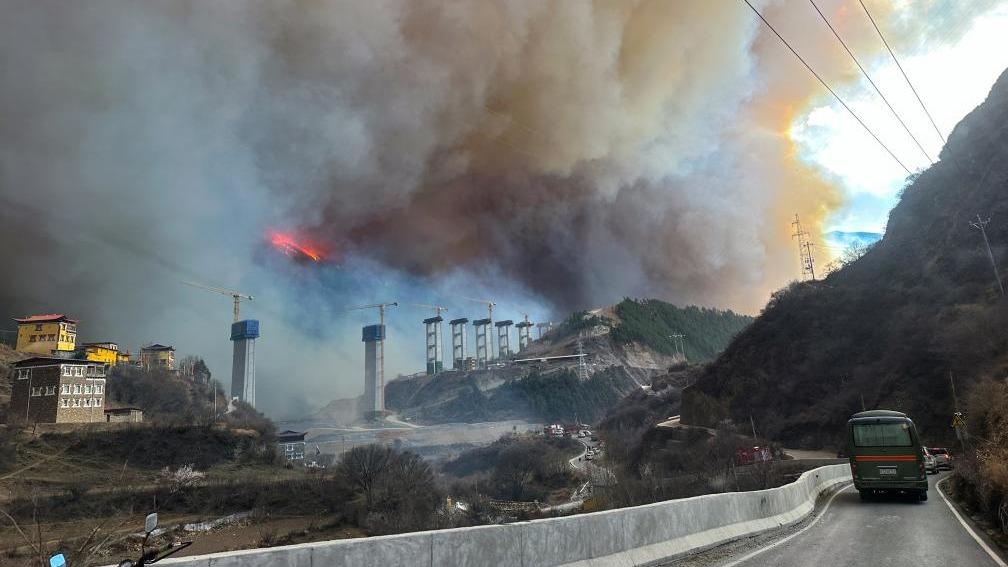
[(952, 78), (549, 156)]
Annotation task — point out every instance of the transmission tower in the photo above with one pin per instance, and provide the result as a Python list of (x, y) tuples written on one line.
[(804, 249), (582, 367), (981, 225), (679, 340)]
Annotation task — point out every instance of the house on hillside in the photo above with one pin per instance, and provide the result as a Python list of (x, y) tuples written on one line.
[(46, 335), (57, 390), (291, 445), (107, 352), (157, 356)]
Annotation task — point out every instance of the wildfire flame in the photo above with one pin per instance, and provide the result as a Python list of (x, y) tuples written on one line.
[(289, 245)]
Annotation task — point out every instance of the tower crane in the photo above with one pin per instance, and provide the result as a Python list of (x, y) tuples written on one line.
[(236, 295), (524, 331), (381, 345), (488, 302)]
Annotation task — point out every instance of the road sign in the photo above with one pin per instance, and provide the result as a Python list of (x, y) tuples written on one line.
[(958, 420)]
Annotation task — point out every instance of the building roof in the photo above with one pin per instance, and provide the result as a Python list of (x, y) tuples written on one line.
[(158, 347), (289, 435), (103, 344), (36, 360), (52, 317), (125, 409)]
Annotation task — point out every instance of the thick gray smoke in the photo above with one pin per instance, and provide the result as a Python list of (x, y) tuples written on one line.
[(556, 155)]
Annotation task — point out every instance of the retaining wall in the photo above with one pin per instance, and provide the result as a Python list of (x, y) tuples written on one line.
[(626, 537)]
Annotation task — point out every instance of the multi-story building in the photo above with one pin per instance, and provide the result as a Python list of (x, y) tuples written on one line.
[(107, 352), (46, 334), (158, 356), (57, 390)]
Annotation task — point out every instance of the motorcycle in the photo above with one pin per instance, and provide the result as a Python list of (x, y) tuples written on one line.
[(147, 557)]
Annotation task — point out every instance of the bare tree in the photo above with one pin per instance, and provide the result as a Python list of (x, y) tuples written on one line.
[(362, 467)]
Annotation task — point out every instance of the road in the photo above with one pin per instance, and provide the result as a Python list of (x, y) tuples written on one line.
[(580, 463), (889, 532)]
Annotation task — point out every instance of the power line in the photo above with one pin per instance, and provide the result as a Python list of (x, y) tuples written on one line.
[(896, 60), (832, 92), (865, 73)]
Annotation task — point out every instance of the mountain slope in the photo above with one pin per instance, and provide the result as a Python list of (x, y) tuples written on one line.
[(891, 326), (626, 345)]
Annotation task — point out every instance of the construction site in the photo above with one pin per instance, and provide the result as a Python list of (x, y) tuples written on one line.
[(483, 356), (491, 349)]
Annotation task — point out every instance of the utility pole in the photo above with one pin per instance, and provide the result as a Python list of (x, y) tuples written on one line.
[(955, 400), (981, 225), (804, 249), (862, 403)]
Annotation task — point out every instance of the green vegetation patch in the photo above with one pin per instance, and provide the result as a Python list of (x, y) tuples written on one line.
[(652, 322)]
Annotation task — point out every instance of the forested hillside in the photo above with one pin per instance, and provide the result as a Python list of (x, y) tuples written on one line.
[(894, 327), (652, 322)]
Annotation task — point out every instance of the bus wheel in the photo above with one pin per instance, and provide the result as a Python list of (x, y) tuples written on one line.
[(865, 495), (923, 495)]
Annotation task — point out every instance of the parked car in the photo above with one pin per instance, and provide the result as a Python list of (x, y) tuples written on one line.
[(942, 457), (930, 462)]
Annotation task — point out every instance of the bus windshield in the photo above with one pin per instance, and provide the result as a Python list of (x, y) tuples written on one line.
[(882, 435)]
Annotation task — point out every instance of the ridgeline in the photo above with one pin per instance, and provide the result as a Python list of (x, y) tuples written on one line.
[(893, 325)]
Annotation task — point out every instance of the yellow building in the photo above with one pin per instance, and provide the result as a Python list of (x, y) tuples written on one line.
[(106, 352), (158, 356), (45, 334)]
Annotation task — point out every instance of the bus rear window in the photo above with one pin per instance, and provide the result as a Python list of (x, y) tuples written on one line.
[(882, 435)]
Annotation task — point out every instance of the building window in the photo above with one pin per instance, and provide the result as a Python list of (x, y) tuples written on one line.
[(38, 327), (50, 390), (77, 388), (100, 389), (23, 373), (87, 402), (33, 338), (76, 403), (64, 402), (64, 370), (78, 371), (87, 389), (97, 402)]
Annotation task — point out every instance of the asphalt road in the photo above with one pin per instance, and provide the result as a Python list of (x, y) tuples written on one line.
[(886, 532), (579, 462)]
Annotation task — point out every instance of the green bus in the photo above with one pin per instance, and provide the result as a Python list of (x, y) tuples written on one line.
[(885, 454)]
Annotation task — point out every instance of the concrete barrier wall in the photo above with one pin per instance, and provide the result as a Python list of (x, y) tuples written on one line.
[(626, 537)]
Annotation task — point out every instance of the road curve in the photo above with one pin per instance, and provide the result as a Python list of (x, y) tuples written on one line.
[(889, 532)]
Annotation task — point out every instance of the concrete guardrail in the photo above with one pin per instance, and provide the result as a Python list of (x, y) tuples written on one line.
[(636, 536)]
